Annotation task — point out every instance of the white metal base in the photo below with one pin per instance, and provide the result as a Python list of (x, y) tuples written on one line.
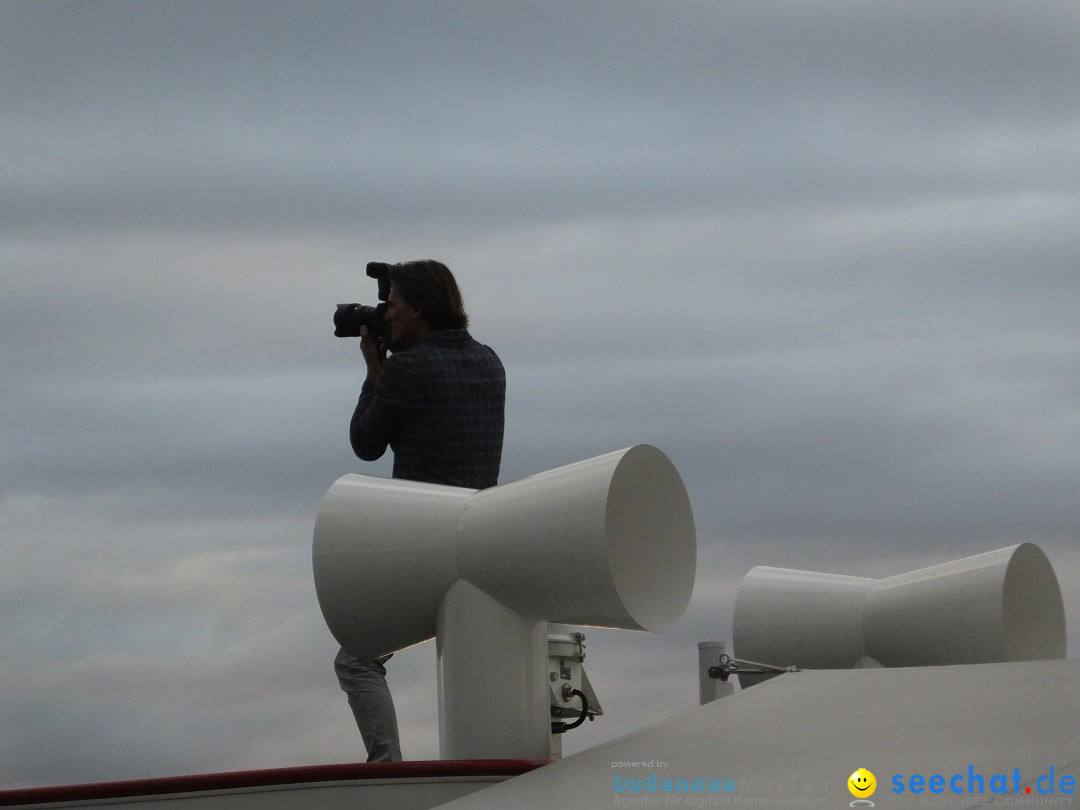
[(492, 679)]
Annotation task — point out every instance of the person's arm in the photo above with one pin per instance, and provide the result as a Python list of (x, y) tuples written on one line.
[(376, 416), (374, 357)]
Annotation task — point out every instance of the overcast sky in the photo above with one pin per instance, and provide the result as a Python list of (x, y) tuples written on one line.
[(823, 254)]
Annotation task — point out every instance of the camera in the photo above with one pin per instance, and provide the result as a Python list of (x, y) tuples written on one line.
[(350, 317)]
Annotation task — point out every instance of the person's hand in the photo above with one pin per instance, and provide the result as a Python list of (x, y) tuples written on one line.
[(373, 356)]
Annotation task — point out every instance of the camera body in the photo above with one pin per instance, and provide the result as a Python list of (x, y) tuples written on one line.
[(350, 317)]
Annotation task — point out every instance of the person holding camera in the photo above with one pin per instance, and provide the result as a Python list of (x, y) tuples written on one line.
[(437, 401)]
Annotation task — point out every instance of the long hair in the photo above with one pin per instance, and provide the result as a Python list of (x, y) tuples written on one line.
[(430, 287)]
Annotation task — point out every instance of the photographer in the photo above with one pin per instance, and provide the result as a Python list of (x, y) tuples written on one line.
[(437, 401)]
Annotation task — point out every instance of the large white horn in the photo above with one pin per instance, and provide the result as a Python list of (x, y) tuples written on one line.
[(607, 542)]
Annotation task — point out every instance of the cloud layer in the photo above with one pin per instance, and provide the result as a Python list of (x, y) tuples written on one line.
[(822, 254)]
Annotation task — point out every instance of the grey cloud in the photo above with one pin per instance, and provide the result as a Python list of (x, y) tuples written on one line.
[(821, 254), (396, 112)]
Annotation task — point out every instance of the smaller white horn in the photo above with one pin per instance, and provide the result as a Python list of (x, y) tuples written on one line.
[(1003, 605)]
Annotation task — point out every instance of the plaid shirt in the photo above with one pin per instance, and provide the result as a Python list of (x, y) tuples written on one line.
[(439, 407)]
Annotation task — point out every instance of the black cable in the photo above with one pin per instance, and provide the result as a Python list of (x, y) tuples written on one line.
[(562, 728)]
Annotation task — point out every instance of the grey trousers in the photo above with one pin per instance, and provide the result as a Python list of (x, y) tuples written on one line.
[(364, 683)]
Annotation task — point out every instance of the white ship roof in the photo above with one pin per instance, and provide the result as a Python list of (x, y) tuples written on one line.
[(794, 741)]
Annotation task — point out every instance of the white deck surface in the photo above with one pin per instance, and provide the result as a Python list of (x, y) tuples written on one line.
[(794, 741)]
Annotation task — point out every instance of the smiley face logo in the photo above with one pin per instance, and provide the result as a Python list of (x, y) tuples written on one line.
[(862, 784)]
